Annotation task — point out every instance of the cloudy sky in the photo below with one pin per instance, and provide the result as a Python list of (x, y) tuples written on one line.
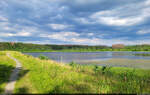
[(87, 22)]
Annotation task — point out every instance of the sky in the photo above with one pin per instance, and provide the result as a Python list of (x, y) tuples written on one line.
[(82, 22)]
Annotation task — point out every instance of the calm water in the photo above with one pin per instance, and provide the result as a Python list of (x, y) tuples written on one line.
[(88, 57)]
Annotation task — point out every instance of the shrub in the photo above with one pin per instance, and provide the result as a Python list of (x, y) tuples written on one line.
[(97, 69), (106, 69), (72, 63), (42, 57)]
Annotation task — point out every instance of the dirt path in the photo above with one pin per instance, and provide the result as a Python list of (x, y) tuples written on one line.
[(12, 80)]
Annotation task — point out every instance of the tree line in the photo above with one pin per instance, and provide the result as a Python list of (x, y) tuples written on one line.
[(29, 47)]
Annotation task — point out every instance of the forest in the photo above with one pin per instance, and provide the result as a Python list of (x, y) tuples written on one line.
[(29, 47)]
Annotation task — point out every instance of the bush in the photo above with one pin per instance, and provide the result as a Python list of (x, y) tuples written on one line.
[(42, 57), (72, 64), (97, 69), (106, 69)]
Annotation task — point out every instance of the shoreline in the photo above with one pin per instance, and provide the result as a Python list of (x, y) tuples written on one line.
[(76, 51)]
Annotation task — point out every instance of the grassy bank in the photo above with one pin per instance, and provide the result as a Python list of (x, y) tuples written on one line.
[(46, 76), (6, 67)]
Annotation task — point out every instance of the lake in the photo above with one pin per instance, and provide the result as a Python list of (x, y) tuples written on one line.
[(121, 59)]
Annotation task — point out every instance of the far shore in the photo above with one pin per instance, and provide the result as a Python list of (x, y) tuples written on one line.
[(77, 51)]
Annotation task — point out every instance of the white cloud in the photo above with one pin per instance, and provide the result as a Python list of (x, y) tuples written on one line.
[(75, 38), (123, 16), (83, 20), (7, 28), (59, 26), (90, 34), (22, 34), (2, 18), (61, 35), (6, 34), (147, 2), (142, 32), (17, 30), (25, 34), (28, 29), (72, 37), (93, 41), (84, 2), (118, 21), (3, 24)]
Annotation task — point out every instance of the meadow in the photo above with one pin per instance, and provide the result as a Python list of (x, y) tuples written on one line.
[(40, 75)]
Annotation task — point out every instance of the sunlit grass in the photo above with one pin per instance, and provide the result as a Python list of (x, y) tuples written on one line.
[(6, 67), (46, 76)]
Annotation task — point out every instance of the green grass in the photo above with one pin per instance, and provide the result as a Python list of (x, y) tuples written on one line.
[(6, 67), (46, 76)]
